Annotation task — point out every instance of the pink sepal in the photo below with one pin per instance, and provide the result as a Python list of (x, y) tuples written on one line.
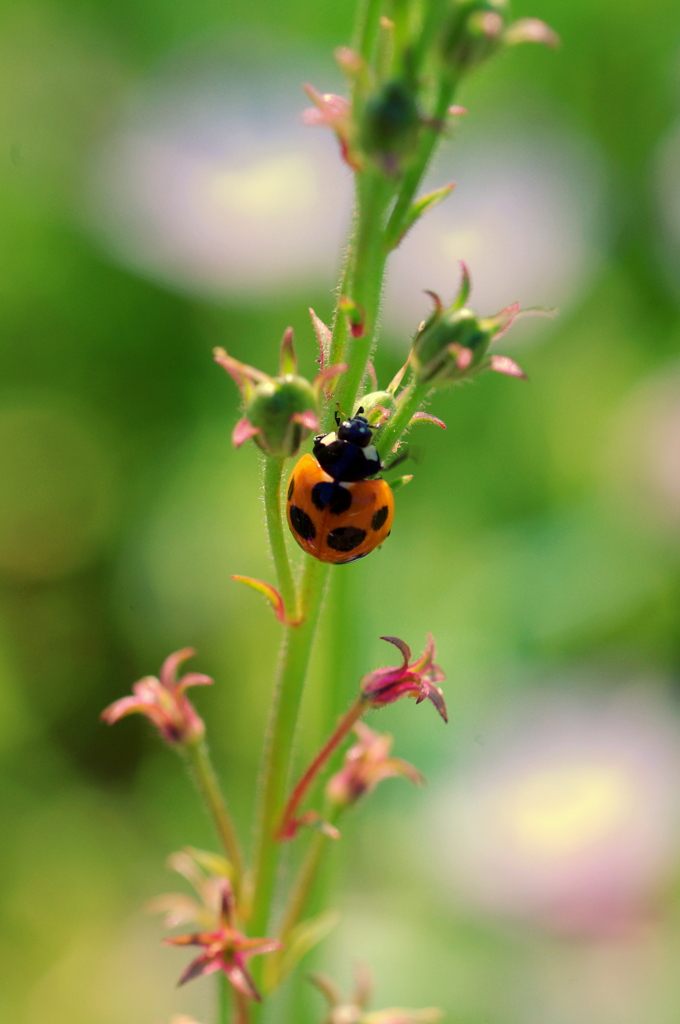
[(503, 364), (308, 419), (426, 417), (242, 432), (531, 30), (323, 379)]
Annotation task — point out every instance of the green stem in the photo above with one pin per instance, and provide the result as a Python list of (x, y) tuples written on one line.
[(304, 882), (410, 402), (428, 140), (224, 999), (368, 25), (365, 279), (290, 681), (339, 330), (273, 471), (202, 769)]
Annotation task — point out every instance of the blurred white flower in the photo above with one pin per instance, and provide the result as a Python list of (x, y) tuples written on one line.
[(568, 815), (212, 184), (526, 215)]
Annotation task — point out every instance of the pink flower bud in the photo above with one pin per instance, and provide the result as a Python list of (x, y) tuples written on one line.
[(410, 679), (366, 764), (164, 702)]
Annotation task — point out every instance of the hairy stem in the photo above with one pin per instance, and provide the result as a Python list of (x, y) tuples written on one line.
[(428, 140), (273, 470), (365, 279), (307, 778), (410, 402), (290, 681), (202, 769), (302, 886)]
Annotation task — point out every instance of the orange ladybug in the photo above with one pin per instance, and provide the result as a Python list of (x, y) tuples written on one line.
[(334, 512)]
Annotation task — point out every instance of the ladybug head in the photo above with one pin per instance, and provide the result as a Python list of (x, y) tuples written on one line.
[(357, 430)]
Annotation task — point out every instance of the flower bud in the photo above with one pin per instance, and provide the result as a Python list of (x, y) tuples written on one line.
[(473, 32), (280, 412), (283, 412), (453, 343), (378, 406), (389, 128)]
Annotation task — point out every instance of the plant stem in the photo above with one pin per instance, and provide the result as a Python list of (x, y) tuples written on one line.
[(410, 401), (273, 470), (202, 769), (242, 1008), (428, 140), (368, 23), (307, 778), (288, 689), (224, 999), (302, 885), (365, 279)]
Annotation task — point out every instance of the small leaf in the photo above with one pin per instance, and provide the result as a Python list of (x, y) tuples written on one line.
[(401, 481), (179, 909), (288, 362), (303, 938), (398, 377), (322, 380), (272, 595), (212, 863), (465, 286), (426, 417), (421, 207), (323, 336)]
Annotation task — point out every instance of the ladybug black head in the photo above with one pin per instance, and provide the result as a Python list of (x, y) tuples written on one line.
[(357, 430)]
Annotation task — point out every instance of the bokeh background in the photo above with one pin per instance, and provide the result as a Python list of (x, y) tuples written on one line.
[(158, 196)]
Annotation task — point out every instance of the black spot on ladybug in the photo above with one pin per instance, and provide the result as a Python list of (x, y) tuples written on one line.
[(331, 495), (345, 538), (302, 524), (291, 487), (379, 518)]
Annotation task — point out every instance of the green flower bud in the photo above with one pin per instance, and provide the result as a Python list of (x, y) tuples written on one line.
[(389, 129), (444, 337), (473, 32), (281, 413), (453, 343), (377, 404)]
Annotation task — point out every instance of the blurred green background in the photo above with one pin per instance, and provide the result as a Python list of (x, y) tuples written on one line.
[(539, 541)]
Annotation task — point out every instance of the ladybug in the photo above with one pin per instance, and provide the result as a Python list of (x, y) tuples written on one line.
[(335, 512)]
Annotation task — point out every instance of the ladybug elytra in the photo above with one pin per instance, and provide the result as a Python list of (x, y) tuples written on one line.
[(336, 513)]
